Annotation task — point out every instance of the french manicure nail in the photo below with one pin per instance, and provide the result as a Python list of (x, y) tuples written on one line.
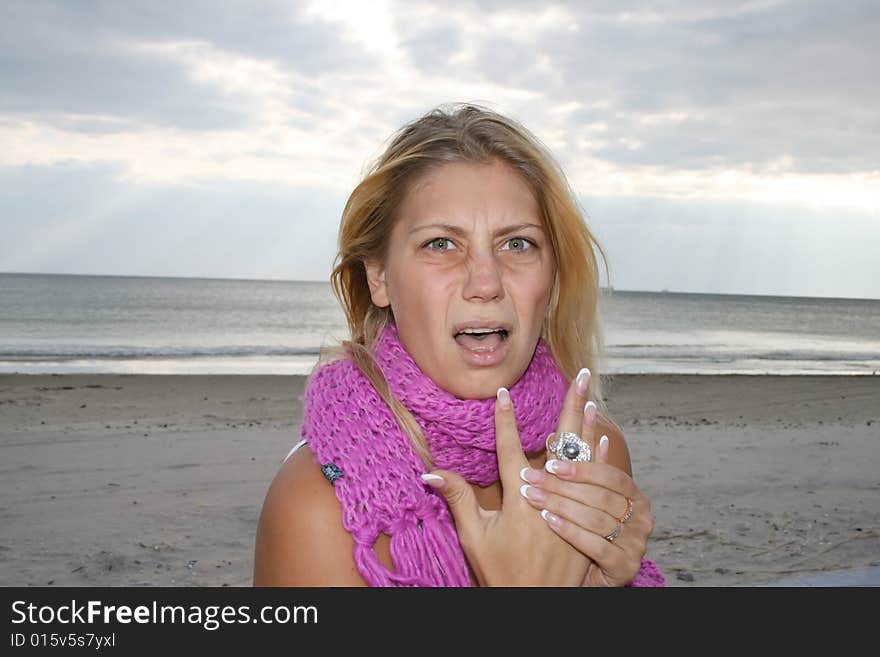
[(583, 381), (557, 467), (532, 493), (550, 518), (603, 445), (590, 412), (531, 475), (433, 480), (503, 398)]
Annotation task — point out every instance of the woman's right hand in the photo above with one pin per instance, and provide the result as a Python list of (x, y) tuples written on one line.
[(512, 546)]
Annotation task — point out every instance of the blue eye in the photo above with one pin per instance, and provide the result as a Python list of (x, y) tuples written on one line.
[(527, 244), (437, 239), (524, 241)]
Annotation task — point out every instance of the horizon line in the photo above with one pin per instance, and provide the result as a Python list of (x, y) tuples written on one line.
[(327, 282)]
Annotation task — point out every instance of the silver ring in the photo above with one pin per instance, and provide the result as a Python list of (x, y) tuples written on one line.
[(615, 533), (629, 511), (569, 447)]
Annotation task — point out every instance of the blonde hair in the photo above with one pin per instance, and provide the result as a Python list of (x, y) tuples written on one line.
[(475, 134)]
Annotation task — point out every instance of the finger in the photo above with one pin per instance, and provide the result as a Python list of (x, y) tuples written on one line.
[(599, 521), (588, 427), (572, 416), (508, 447), (598, 474), (618, 559), (601, 451), (466, 511), (610, 556), (590, 518), (587, 494)]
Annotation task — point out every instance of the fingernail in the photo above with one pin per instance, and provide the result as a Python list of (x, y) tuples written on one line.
[(532, 493), (433, 480), (603, 446), (557, 467), (531, 475), (551, 518), (590, 412), (583, 381), (503, 398)]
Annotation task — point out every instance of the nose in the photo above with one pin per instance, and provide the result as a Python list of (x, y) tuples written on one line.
[(483, 282)]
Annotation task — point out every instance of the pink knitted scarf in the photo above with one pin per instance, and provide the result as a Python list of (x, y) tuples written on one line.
[(375, 471)]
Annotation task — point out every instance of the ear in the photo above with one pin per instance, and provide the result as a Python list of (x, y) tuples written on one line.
[(376, 281)]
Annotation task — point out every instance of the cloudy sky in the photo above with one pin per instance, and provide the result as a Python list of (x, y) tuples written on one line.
[(724, 146)]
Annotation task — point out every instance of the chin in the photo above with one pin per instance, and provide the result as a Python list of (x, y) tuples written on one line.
[(480, 384)]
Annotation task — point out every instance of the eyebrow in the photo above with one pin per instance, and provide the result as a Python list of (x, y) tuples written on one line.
[(457, 230)]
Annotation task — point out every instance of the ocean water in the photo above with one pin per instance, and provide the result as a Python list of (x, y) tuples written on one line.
[(124, 324)]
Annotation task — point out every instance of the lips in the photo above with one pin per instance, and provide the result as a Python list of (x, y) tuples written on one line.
[(482, 324), (484, 342), (484, 351), (487, 349)]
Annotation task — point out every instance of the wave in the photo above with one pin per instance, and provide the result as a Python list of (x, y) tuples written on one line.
[(701, 353)]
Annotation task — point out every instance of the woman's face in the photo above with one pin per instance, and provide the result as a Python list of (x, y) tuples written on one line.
[(490, 263)]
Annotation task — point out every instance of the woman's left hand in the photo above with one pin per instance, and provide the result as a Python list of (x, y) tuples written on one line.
[(586, 503)]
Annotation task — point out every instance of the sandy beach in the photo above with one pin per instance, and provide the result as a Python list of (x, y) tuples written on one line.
[(153, 480)]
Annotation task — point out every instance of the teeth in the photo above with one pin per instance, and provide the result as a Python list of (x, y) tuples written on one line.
[(478, 331)]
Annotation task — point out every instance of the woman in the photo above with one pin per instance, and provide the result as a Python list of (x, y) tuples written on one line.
[(449, 442)]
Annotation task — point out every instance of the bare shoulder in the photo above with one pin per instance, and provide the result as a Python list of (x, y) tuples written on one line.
[(300, 538), (618, 454)]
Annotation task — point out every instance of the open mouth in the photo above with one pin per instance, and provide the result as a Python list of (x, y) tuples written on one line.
[(482, 340)]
